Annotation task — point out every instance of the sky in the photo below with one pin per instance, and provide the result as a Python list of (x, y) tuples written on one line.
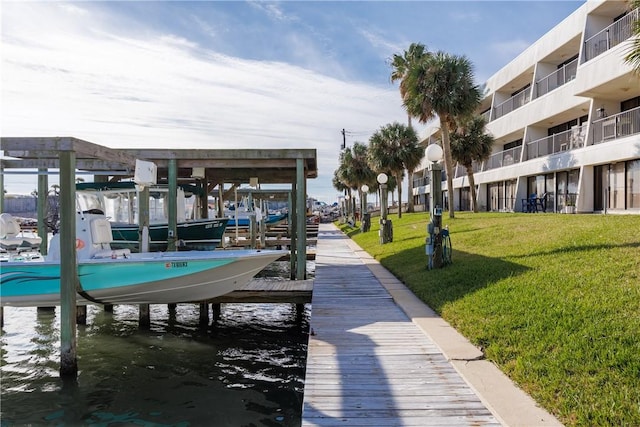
[(237, 74)]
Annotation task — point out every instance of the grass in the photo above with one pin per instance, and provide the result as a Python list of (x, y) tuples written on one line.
[(553, 300)]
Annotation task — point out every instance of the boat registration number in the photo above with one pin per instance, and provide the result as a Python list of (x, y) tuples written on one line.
[(176, 264)]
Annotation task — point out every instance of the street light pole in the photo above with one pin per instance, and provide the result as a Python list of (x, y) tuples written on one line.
[(386, 228), (365, 223), (434, 240)]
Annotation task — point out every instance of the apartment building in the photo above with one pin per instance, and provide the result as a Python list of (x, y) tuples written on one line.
[(565, 115)]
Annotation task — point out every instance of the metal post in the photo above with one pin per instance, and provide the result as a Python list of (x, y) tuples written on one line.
[(68, 265), (436, 212), (384, 235), (293, 230)]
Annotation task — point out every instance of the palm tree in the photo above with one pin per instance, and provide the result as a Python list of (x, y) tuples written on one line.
[(388, 149), (442, 85), (412, 154), (402, 64), (353, 170), (468, 144), (633, 57)]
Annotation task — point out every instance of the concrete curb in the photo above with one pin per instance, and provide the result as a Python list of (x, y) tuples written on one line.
[(506, 401)]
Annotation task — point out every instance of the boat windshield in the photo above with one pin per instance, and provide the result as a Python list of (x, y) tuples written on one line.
[(121, 205)]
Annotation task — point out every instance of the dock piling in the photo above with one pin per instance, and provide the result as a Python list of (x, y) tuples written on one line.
[(144, 316)]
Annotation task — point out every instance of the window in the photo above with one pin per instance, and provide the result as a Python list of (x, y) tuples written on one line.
[(616, 186), (633, 184), (630, 104)]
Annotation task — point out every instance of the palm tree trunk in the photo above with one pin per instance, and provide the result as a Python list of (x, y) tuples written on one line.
[(448, 162), (410, 195), (399, 181), (472, 187)]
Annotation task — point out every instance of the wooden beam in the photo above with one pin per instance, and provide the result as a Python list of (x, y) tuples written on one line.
[(68, 266), (301, 213), (81, 148)]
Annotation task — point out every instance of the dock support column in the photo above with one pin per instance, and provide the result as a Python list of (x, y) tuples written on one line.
[(301, 204), (1, 317), (294, 217), (299, 312), (204, 314), (144, 316), (215, 313), (2, 190), (81, 315), (172, 232), (252, 231), (43, 195), (68, 265), (263, 224)]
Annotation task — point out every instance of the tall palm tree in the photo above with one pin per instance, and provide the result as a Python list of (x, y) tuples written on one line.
[(402, 64), (353, 170), (633, 57), (387, 152), (442, 85), (468, 144), (412, 154), (362, 172)]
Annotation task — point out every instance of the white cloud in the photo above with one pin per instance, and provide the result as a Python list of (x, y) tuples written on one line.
[(378, 42), (163, 91)]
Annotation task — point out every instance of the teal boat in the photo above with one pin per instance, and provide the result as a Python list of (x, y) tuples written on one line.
[(117, 276), (119, 202)]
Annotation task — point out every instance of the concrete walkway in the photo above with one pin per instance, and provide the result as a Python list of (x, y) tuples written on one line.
[(379, 356)]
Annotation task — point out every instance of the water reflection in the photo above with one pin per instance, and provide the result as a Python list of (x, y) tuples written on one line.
[(247, 370)]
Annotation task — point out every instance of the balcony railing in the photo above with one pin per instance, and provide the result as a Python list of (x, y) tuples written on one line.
[(503, 158), (611, 36), (563, 141), (556, 79), (617, 126), (516, 101)]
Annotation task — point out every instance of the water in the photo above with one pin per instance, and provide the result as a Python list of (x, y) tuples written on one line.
[(247, 370)]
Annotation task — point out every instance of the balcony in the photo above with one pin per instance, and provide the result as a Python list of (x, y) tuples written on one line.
[(564, 141), (611, 36), (516, 101), (617, 126), (556, 79), (503, 158)]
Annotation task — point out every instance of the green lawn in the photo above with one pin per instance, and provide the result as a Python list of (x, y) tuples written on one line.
[(553, 300)]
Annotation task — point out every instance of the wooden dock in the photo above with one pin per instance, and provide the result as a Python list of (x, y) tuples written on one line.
[(270, 291), (368, 364)]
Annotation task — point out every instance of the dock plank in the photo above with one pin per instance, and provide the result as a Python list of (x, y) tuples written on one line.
[(367, 363)]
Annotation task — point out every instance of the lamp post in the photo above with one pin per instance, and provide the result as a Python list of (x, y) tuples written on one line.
[(434, 240), (386, 228), (347, 205), (365, 223)]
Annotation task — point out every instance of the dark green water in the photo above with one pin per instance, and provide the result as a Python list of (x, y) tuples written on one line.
[(248, 370)]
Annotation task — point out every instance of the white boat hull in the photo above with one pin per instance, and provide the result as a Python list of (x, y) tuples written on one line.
[(143, 278)]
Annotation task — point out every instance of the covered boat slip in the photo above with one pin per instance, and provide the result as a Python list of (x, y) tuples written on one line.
[(209, 169)]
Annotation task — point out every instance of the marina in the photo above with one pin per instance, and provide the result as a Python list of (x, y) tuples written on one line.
[(352, 356), (359, 360)]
